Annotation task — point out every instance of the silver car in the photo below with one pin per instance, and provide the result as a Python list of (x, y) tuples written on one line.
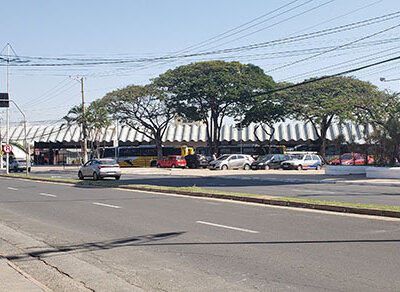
[(100, 168), (232, 161), (18, 165)]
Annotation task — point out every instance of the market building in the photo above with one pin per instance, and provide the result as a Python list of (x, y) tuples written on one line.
[(61, 144)]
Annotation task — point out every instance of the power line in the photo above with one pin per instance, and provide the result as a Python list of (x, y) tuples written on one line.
[(218, 37), (276, 23), (333, 49), (329, 76), (281, 41), (341, 63)]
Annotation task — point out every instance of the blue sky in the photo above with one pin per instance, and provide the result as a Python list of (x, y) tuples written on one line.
[(142, 29)]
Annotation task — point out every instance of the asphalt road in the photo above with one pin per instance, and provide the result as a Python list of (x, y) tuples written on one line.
[(366, 194), (116, 240)]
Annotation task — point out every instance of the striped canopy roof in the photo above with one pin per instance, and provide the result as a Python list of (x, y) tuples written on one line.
[(285, 132)]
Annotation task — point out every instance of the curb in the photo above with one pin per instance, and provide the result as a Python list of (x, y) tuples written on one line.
[(265, 201), (299, 180)]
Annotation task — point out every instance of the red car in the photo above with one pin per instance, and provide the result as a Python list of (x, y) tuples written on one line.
[(351, 159), (172, 161)]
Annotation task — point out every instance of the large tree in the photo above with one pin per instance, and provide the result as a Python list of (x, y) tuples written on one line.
[(144, 108), (383, 112), (325, 101), (210, 91), (264, 110)]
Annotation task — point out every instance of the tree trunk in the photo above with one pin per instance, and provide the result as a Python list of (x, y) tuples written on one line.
[(158, 146), (323, 143), (215, 134)]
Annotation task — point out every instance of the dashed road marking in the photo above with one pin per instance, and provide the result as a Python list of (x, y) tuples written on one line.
[(227, 227), (106, 205), (13, 189), (47, 195)]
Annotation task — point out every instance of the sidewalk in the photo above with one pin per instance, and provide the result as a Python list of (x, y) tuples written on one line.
[(13, 279)]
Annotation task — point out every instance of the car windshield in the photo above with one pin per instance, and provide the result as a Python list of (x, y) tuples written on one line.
[(265, 157), (346, 156), (107, 162), (223, 157)]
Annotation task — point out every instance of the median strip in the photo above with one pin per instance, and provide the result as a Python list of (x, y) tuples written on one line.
[(334, 206)]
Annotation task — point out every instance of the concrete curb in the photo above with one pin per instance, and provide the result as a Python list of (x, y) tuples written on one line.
[(265, 201), (299, 180)]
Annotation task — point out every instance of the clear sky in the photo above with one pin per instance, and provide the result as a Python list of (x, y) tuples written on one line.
[(132, 31)]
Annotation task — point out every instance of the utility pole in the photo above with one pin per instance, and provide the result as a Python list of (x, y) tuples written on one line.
[(84, 130), (8, 109)]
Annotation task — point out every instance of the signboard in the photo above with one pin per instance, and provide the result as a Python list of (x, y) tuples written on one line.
[(7, 148), (4, 101)]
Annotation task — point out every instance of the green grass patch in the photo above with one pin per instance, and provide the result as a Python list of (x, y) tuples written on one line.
[(340, 204)]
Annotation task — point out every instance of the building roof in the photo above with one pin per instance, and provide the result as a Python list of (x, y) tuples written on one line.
[(285, 132)]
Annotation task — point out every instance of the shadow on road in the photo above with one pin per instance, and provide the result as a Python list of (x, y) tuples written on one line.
[(98, 245), (154, 240)]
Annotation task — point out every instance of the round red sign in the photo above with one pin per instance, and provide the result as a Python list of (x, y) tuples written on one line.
[(7, 148)]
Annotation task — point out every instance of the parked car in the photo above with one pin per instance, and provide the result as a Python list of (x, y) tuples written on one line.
[(197, 160), (99, 169), (232, 161), (18, 165), (304, 161), (172, 161), (351, 159), (269, 161)]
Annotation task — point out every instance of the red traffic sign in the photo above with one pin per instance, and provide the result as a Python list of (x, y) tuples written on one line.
[(7, 148)]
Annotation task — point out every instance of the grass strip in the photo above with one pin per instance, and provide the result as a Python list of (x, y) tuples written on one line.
[(199, 191)]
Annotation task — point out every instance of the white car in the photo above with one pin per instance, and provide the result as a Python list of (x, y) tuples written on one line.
[(100, 168), (304, 161), (232, 161)]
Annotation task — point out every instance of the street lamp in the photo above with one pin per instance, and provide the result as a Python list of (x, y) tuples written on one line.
[(383, 79), (28, 155)]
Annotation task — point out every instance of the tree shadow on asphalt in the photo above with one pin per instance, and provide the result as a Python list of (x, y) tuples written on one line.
[(97, 245), (153, 240)]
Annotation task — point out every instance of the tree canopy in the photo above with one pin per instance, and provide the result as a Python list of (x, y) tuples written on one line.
[(144, 108), (325, 101), (210, 91)]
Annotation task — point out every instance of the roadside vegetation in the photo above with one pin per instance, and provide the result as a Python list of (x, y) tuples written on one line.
[(209, 92)]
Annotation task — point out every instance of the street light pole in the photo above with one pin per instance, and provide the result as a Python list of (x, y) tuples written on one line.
[(85, 154), (27, 147)]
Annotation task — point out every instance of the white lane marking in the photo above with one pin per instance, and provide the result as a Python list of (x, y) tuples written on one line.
[(227, 227), (47, 195), (56, 176), (313, 192), (106, 205), (13, 189)]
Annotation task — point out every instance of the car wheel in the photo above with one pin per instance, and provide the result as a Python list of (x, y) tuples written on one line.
[(117, 177), (266, 167), (158, 166), (246, 167), (318, 167), (173, 166), (95, 176), (224, 167), (299, 167), (80, 175)]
